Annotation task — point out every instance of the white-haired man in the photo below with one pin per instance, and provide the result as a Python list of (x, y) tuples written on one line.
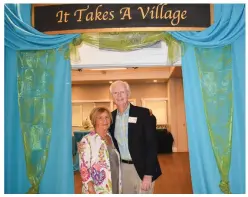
[(134, 136)]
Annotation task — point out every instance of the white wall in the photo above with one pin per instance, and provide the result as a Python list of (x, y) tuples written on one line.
[(91, 56)]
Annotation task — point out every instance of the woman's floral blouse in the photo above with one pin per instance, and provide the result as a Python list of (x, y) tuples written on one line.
[(95, 165)]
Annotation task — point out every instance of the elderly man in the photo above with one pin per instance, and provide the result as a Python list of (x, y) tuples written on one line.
[(134, 136)]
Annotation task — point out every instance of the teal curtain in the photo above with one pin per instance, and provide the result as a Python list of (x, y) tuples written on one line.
[(228, 31), (229, 25), (15, 175), (20, 35), (238, 167), (58, 175)]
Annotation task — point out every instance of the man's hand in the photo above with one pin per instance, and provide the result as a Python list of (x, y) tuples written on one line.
[(146, 183)]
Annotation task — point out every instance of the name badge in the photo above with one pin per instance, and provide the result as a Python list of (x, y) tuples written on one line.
[(132, 119)]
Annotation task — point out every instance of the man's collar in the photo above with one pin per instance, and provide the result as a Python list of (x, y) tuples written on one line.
[(126, 110)]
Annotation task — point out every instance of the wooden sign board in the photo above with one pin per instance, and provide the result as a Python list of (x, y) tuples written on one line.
[(80, 18)]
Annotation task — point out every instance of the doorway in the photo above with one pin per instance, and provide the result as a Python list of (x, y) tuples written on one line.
[(152, 87)]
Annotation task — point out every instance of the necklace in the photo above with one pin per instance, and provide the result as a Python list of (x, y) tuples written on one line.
[(104, 138)]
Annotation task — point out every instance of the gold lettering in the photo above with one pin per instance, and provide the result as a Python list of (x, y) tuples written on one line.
[(176, 16), (161, 10), (90, 16), (112, 15), (142, 11), (157, 17), (98, 14), (66, 14), (152, 12), (183, 14), (61, 16), (80, 13), (105, 16), (168, 14), (127, 13)]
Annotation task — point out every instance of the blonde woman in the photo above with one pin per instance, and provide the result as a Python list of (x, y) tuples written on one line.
[(99, 161)]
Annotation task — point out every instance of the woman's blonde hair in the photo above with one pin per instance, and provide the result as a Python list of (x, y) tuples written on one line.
[(97, 111)]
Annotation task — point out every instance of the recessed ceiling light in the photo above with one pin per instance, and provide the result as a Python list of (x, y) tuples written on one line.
[(108, 69), (155, 81)]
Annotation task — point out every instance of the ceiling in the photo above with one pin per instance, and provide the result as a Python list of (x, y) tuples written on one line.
[(131, 75), (135, 81)]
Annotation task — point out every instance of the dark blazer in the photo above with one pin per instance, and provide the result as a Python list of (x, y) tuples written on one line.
[(154, 121), (141, 142)]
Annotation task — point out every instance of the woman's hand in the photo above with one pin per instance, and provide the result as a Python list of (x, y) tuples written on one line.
[(92, 191), (91, 188)]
